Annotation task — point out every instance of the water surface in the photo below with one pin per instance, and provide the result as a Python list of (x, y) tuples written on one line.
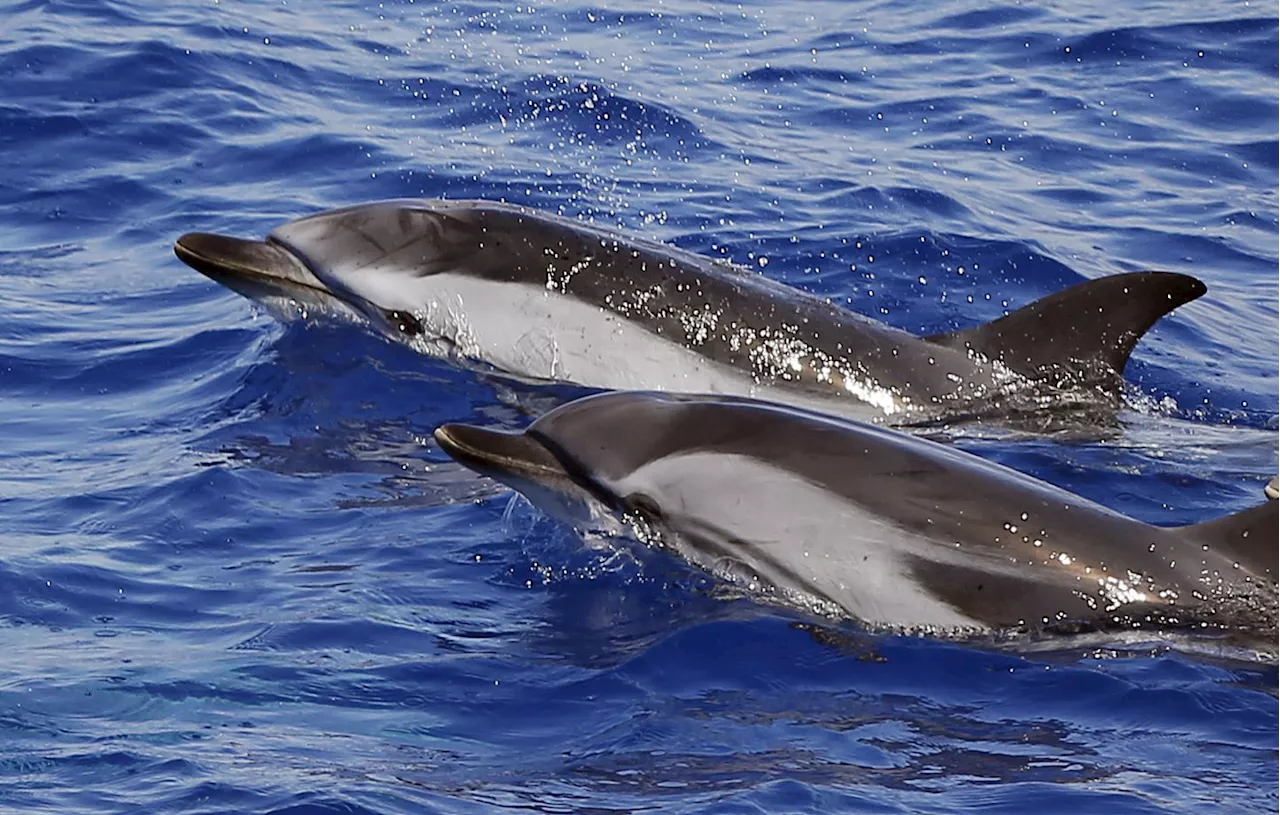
[(236, 575)]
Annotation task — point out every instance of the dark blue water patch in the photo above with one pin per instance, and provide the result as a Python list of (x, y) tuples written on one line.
[(1225, 105), (322, 805), (1264, 153), (935, 283), (650, 22), (773, 76), (60, 215), (106, 76), (227, 798), (74, 596), (1000, 16), (1199, 43), (573, 111), (888, 204), (48, 127), (1060, 153), (228, 165), (115, 370), (252, 74), (1202, 251)]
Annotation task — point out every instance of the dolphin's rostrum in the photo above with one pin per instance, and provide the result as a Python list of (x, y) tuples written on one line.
[(548, 298), (898, 532)]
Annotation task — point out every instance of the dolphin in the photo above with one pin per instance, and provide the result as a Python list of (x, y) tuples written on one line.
[(898, 532), (546, 298)]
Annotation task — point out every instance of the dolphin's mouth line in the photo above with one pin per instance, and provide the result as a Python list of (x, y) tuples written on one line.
[(576, 472), (405, 321), (304, 262)]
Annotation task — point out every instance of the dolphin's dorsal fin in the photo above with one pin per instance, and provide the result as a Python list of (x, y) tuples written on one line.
[(1251, 538), (1089, 328)]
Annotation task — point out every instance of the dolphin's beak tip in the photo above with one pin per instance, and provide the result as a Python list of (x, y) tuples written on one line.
[(441, 435), (459, 439), (182, 246), (194, 246)]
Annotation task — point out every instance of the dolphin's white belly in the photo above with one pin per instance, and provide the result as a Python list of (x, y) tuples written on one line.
[(534, 332), (745, 520)]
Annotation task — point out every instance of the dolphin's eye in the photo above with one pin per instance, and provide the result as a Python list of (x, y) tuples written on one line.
[(644, 506), (406, 322)]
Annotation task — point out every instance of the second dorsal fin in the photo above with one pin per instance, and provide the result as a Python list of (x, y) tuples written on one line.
[(1089, 328)]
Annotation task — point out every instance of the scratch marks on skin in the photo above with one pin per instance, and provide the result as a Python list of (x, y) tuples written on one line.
[(448, 333), (539, 350)]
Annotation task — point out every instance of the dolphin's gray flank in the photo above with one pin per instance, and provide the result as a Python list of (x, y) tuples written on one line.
[(545, 297), (894, 530)]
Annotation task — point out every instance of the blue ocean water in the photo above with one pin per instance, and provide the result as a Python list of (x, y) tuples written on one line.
[(237, 576)]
